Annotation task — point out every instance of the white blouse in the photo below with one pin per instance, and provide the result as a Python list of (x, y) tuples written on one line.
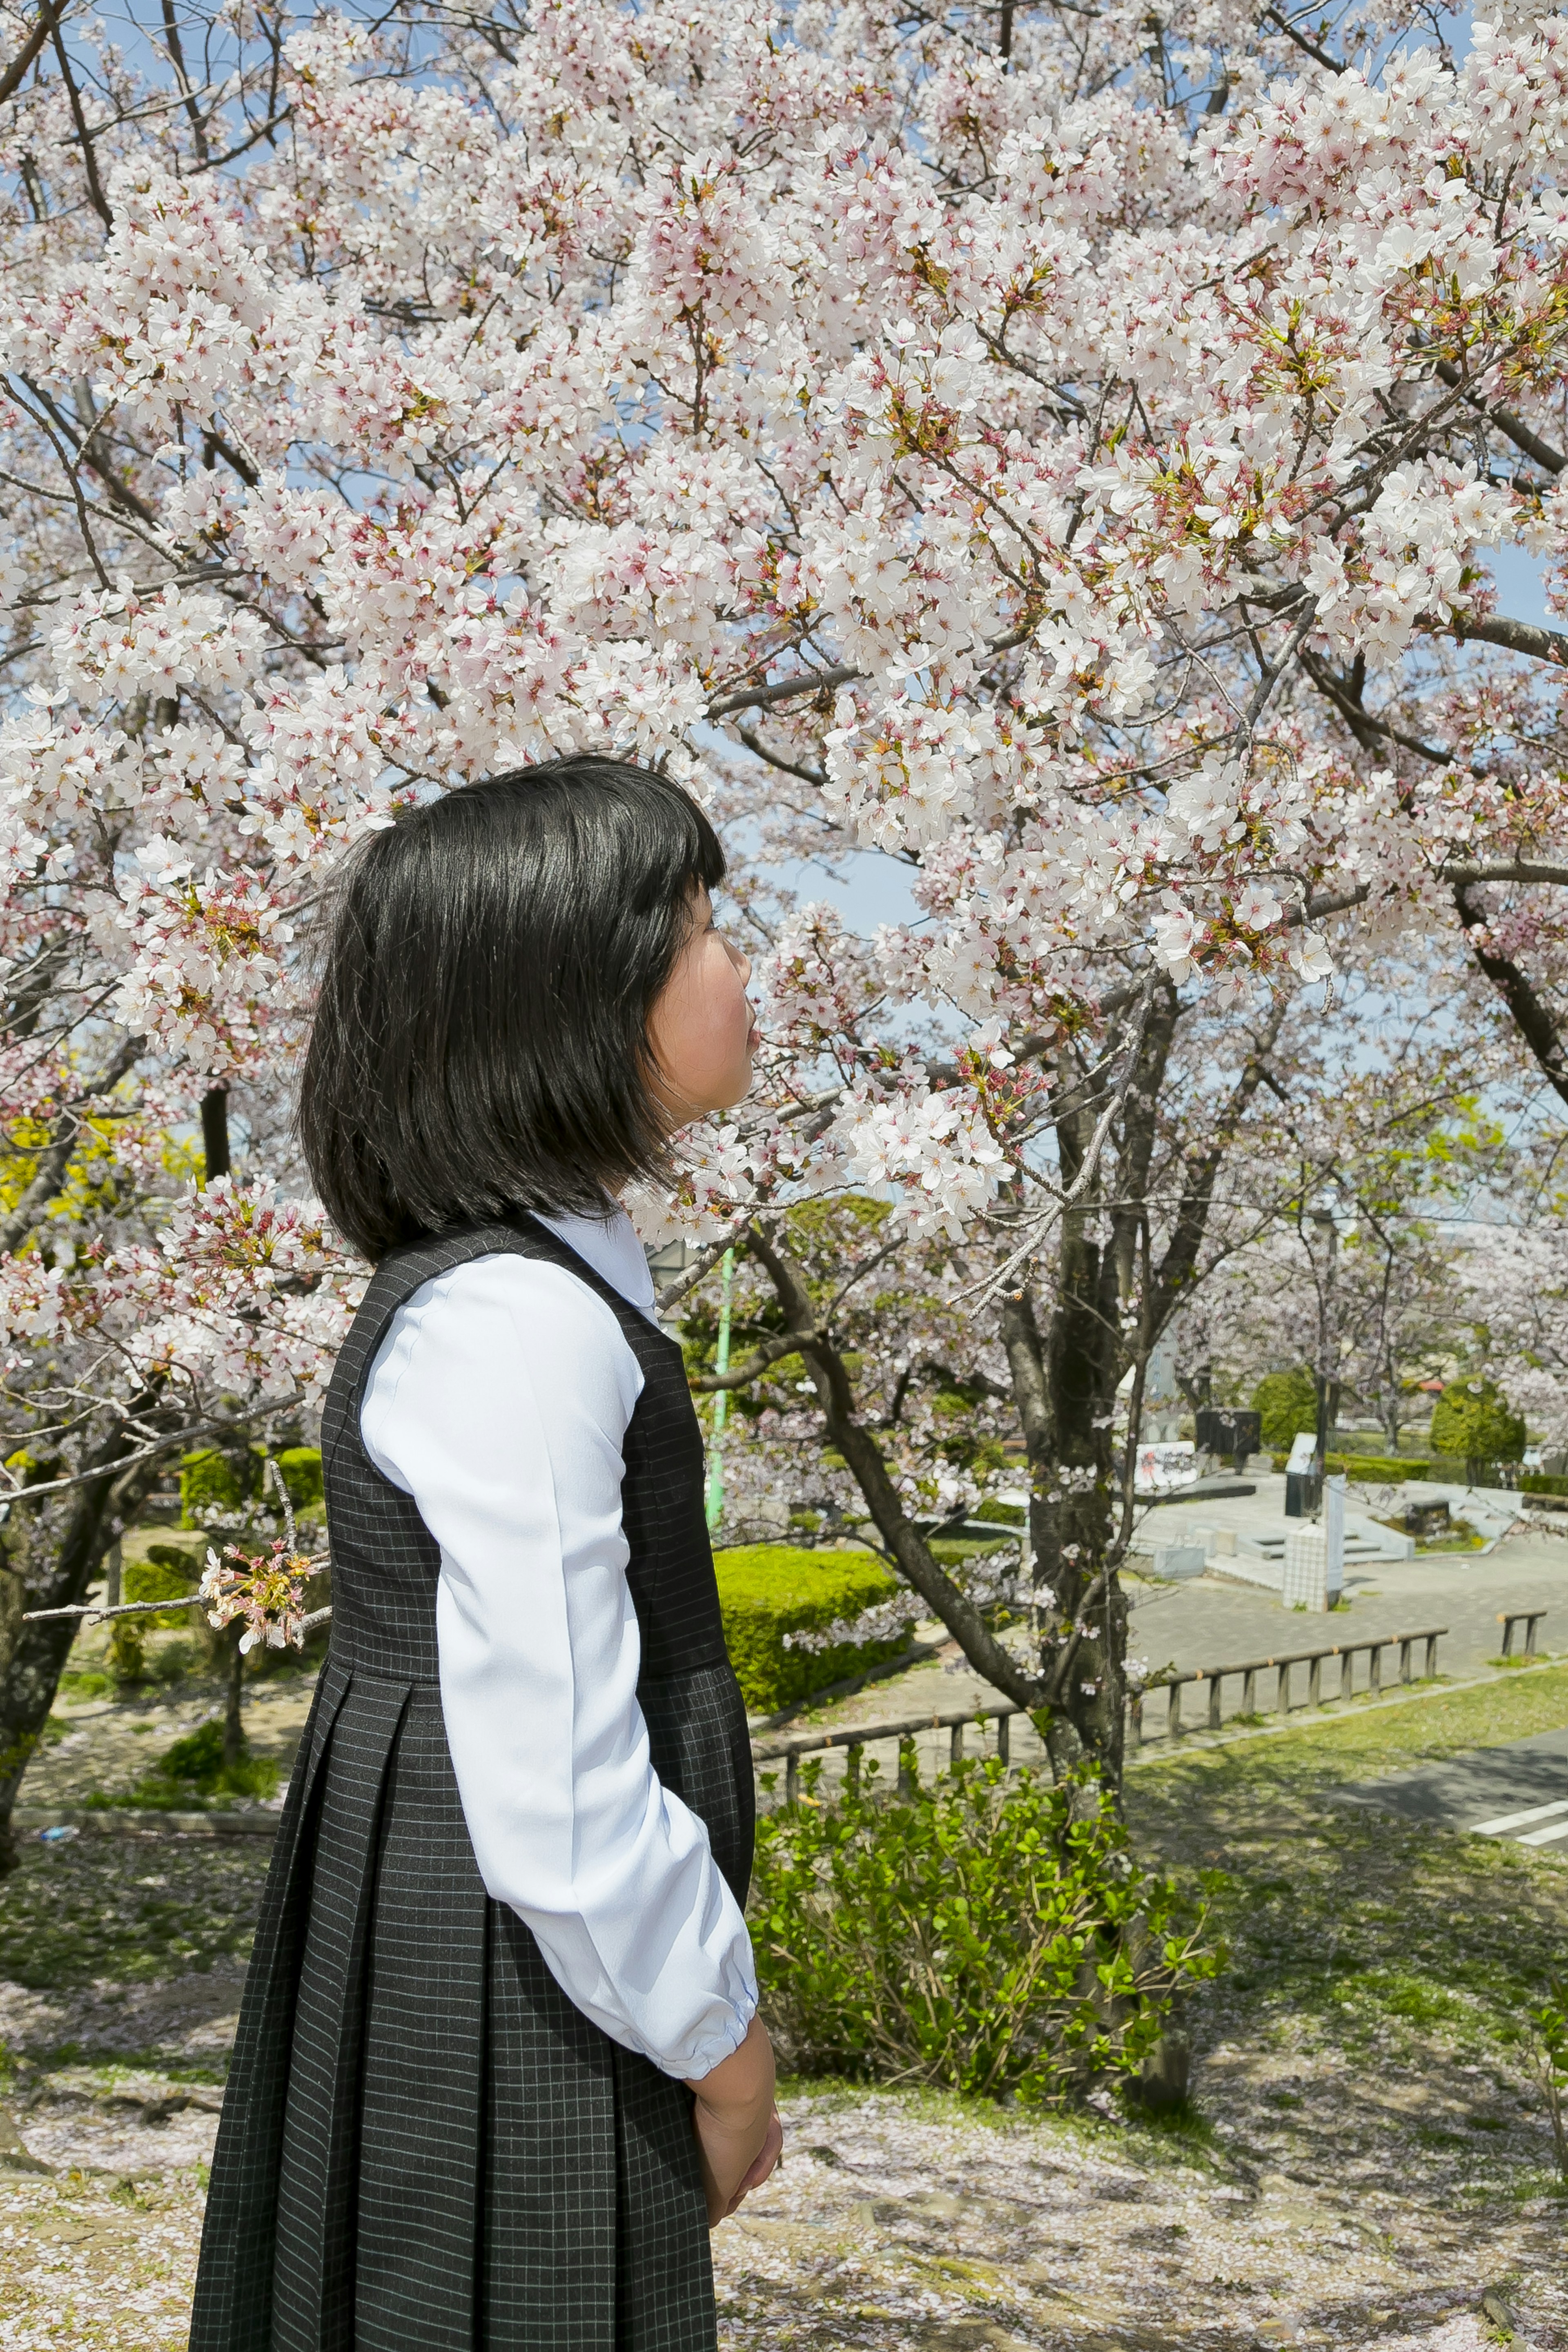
[(499, 1400)]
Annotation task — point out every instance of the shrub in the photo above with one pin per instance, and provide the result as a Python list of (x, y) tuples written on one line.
[(211, 1484), (194, 1764), (215, 1485), (1472, 1418), (166, 1574), (1288, 1404), (1543, 1482), (1373, 1469), (766, 1590), (990, 1934), (301, 1469), (191, 1772), (126, 1656), (1379, 1469)]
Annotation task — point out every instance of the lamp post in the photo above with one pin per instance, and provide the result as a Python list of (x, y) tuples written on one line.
[(1326, 1378), (721, 1400)]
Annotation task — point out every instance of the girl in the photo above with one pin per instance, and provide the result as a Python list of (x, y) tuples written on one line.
[(498, 2067)]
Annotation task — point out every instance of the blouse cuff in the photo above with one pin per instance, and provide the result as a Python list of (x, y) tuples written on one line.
[(713, 2052)]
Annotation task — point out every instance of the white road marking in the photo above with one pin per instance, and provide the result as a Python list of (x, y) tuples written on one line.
[(1543, 1837), (1517, 1820)]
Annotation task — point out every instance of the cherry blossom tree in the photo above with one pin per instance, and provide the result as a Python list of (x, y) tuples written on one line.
[(1055, 453), (1383, 1147)]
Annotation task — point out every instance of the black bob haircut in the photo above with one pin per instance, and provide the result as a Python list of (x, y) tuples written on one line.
[(481, 1038)]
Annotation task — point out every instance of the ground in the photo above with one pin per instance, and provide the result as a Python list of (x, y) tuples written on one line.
[(1369, 2150)]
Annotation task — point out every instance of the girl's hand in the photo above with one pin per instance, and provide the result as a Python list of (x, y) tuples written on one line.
[(739, 2136), (770, 2158)]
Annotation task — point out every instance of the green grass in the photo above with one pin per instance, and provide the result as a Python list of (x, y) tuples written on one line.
[(1383, 1939)]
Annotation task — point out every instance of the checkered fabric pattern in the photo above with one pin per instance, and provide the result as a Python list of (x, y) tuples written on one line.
[(424, 2146)]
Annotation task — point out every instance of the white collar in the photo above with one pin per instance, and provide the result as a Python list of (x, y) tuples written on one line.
[(611, 1247)]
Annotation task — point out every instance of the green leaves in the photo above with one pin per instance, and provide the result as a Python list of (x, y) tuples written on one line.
[(994, 1936)]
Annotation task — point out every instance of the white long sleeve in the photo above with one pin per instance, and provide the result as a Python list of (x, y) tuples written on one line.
[(499, 1401)]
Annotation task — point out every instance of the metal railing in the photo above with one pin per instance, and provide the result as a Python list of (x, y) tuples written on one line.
[(789, 1747)]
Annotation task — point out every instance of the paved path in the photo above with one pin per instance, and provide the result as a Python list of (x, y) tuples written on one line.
[(1206, 1623), (1519, 1792)]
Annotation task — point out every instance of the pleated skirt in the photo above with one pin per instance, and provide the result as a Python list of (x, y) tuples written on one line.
[(424, 2146)]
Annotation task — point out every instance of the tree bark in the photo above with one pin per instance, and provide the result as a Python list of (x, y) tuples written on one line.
[(234, 1687), (214, 1132), (1534, 1020), (1064, 1383), (32, 1672)]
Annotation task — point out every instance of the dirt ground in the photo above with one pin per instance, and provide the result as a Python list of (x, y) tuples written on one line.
[(1368, 2154)]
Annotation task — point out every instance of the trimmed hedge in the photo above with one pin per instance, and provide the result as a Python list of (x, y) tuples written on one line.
[(1373, 1469), (766, 1590), (209, 1485), (214, 1485), (1543, 1482), (166, 1574)]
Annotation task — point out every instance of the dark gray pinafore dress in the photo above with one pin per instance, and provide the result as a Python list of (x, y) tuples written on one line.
[(424, 2146)]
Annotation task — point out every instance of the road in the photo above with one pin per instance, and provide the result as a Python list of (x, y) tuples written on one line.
[(1519, 1792)]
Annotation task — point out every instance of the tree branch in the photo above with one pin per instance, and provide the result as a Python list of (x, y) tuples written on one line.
[(906, 1546), (1519, 636), (1506, 422), (1319, 57), (15, 72), (90, 161), (782, 689), (739, 1376), (1533, 1019)]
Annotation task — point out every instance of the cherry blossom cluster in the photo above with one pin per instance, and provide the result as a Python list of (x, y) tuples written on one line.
[(1079, 494), (266, 1590)]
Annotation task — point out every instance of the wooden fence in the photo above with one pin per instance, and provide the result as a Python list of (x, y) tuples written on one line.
[(788, 1747)]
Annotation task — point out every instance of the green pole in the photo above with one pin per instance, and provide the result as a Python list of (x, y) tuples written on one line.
[(716, 1451)]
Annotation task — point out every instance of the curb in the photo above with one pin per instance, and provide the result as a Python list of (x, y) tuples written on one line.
[(125, 1820)]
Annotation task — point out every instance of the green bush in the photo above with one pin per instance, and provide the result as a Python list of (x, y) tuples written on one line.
[(1373, 1469), (1376, 1469), (766, 1590), (994, 1936), (1287, 1402), (1472, 1418), (211, 1484), (126, 1656), (215, 1483), (1543, 1482), (301, 1469), (192, 1772), (165, 1574)]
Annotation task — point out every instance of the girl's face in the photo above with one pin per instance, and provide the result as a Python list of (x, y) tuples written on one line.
[(701, 1028)]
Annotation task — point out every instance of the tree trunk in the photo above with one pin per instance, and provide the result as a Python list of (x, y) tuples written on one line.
[(1065, 1381), (234, 1675), (32, 1670), (214, 1132)]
